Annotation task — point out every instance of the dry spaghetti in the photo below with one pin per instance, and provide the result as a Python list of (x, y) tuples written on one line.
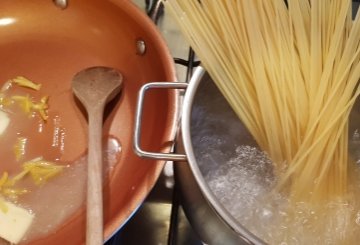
[(291, 73)]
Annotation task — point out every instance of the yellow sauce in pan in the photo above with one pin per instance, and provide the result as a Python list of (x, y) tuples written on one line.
[(29, 136)]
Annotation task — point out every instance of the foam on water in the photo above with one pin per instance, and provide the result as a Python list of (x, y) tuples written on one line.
[(243, 185), (242, 179)]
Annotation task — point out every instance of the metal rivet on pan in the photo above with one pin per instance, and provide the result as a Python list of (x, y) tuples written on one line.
[(140, 47), (61, 3)]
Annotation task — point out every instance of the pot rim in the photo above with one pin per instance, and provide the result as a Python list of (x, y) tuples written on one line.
[(204, 187)]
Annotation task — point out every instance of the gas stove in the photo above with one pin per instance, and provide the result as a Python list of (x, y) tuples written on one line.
[(161, 219)]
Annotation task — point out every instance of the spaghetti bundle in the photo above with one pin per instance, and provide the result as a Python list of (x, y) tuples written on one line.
[(291, 73)]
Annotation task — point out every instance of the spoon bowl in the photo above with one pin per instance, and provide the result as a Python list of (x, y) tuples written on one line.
[(95, 86)]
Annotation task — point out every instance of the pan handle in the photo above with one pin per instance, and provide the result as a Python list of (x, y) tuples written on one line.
[(138, 119)]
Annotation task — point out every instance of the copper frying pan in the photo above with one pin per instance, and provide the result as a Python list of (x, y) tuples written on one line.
[(50, 44)]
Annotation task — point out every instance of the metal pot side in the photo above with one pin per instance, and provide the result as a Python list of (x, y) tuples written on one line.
[(213, 222)]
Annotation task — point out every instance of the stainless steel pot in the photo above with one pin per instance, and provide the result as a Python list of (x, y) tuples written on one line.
[(207, 214), (212, 221)]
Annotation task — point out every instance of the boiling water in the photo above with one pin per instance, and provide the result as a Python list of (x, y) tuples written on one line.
[(240, 175), (243, 185)]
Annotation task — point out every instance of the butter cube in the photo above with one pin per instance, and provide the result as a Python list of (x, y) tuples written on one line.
[(4, 121), (14, 223)]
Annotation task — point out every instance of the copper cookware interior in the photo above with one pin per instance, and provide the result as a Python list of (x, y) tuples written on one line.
[(50, 45)]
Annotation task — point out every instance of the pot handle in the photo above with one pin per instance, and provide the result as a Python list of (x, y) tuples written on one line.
[(138, 118)]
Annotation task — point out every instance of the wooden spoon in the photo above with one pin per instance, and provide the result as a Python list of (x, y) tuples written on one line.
[(94, 87)]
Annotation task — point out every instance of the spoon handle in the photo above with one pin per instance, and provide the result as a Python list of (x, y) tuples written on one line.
[(94, 212)]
